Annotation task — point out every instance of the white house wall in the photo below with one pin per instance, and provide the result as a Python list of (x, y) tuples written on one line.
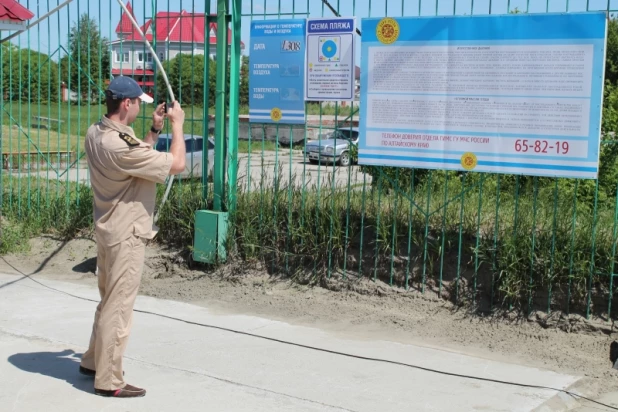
[(169, 51), (174, 49)]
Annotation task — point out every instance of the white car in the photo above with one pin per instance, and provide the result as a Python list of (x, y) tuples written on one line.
[(195, 148), (334, 148)]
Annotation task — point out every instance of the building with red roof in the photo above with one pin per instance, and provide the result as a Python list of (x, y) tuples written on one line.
[(13, 16), (169, 34)]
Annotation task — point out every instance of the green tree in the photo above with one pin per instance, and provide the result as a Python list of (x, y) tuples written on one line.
[(212, 83), (244, 82), (89, 63), (611, 61), (186, 76), (35, 72)]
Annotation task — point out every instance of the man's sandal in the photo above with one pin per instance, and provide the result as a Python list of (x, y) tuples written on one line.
[(129, 391)]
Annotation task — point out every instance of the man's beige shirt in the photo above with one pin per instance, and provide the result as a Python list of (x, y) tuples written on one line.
[(124, 172)]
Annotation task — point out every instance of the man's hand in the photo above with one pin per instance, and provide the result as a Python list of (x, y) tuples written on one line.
[(175, 114), (158, 116)]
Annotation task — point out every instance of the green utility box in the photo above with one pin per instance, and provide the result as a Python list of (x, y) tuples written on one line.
[(210, 236)]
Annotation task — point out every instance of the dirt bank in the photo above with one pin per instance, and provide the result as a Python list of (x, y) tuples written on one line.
[(363, 309)]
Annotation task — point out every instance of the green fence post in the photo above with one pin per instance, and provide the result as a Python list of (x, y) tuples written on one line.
[(235, 65), (211, 226), (220, 110), (206, 91)]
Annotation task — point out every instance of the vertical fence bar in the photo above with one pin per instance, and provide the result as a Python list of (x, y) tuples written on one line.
[(67, 187), (276, 188), (19, 135), (611, 271), (533, 246), (10, 48), (234, 105), (180, 96), (460, 241), (290, 184), (410, 225), (574, 226), (425, 251), (360, 259), (206, 103), (28, 164), (394, 229), (595, 218), (317, 198), (479, 211), (377, 245), (332, 200), (38, 157), (68, 77), (495, 245), (79, 100), (442, 246), (303, 197), (362, 227), (219, 175), (348, 199), (289, 217), (275, 200), (262, 175), (553, 246), (10, 114)]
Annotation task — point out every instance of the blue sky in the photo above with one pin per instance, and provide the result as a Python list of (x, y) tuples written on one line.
[(48, 35)]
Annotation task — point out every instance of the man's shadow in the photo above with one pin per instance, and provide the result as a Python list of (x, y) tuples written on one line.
[(60, 365)]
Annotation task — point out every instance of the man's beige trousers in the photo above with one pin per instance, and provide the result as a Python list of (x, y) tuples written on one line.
[(120, 270)]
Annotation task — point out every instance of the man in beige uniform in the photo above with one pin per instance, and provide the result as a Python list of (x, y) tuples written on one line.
[(124, 172)]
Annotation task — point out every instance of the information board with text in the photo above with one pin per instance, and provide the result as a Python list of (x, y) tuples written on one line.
[(277, 71), (516, 94)]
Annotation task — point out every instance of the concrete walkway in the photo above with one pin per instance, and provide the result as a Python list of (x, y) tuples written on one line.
[(187, 367)]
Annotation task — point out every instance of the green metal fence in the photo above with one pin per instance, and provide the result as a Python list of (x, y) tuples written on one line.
[(488, 241)]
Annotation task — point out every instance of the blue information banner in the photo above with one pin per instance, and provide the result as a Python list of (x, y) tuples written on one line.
[(515, 94), (277, 71)]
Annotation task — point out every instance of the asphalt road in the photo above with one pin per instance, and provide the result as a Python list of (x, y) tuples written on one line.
[(256, 170)]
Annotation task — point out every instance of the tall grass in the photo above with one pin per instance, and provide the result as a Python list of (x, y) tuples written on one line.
[(469, 238), (60, 209)]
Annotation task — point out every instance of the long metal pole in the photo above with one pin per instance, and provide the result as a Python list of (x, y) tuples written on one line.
[(170, 180)]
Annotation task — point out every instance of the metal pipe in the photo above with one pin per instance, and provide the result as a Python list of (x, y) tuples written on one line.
[(169, 89)]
